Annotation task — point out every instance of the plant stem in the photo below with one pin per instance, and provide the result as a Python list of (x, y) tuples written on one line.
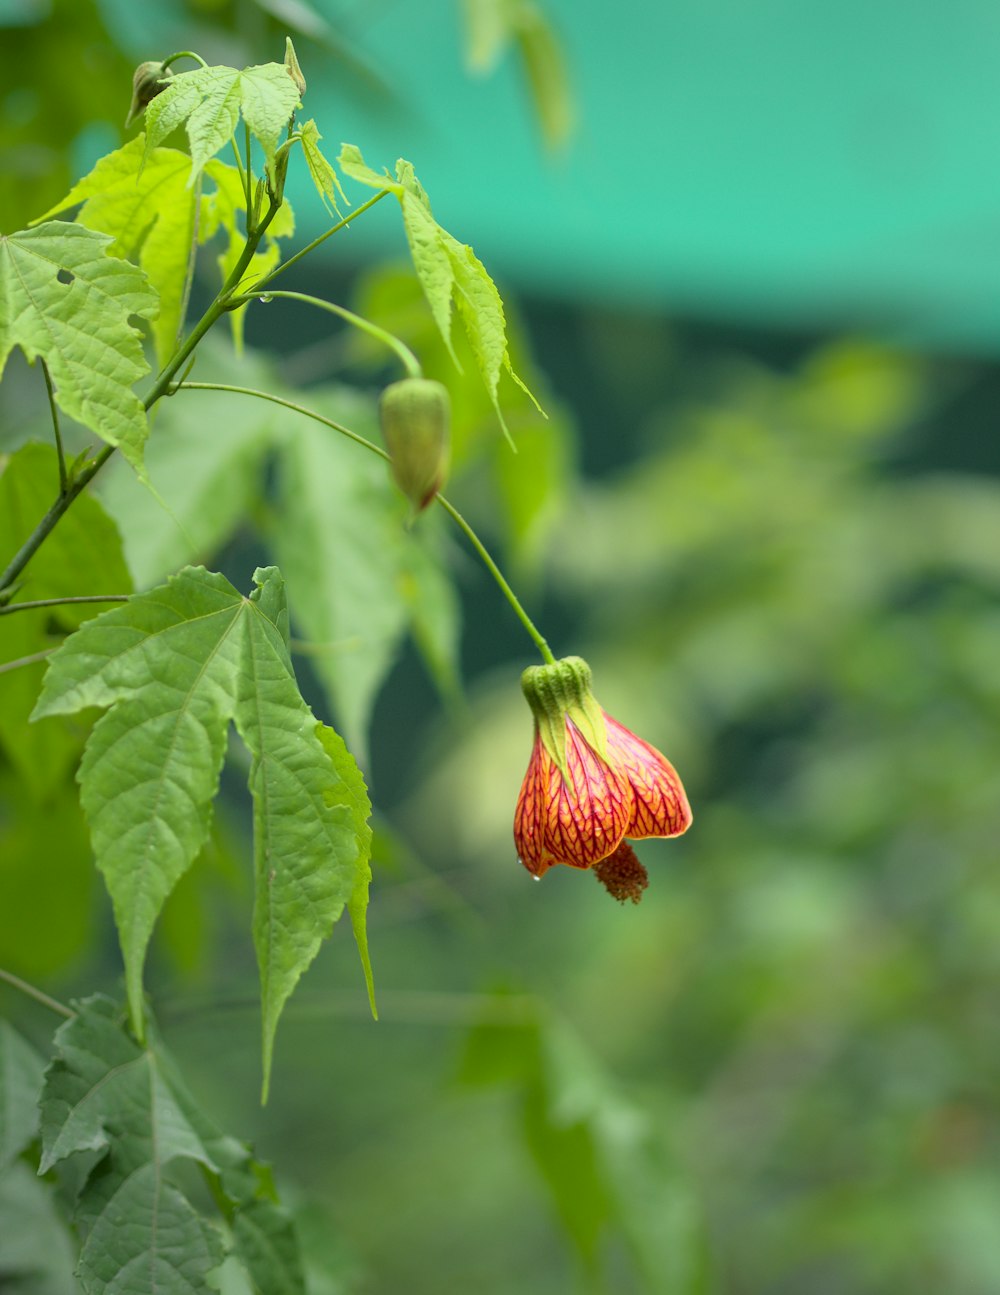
[(63, 480), (533, 632), (183, 53), (218, 308), (280, 269), (59, 602), (20, 661), (22, 985), (409, 360), (285, 404)]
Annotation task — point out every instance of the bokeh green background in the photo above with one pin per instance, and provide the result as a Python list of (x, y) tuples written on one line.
[(759, 289)]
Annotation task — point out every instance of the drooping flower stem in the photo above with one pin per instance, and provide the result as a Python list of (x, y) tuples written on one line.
[(533, 632), (497, 575)]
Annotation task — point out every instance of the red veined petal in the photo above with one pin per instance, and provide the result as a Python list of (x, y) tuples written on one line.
[(575, 819), (660, 806)]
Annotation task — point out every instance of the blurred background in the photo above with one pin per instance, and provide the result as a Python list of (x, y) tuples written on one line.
[(751, 260)]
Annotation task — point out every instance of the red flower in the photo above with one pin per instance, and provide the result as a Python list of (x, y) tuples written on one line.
[(590, 784)]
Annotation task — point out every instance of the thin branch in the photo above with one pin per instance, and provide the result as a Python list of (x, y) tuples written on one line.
[(214, 312), (63, 478), (22, 985), (59, 602), (25, 660), (280, 269), (286, 404), (409, 361), (192, 257)]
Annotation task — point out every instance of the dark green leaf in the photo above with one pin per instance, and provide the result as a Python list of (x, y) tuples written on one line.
[(174, 666), (21, 1071)]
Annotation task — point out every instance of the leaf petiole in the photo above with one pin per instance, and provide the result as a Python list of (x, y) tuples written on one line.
[(24, 987)]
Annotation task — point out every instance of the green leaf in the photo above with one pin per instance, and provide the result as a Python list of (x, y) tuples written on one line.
[(207, 484), (45, 843), (80, 328), (21, 1070), (353, 793), (450, 274), (124, 1104), (82, 555), (35, 1253), (143, 200), (174, 666), (209, 100), (492, 26), (324, 177), (340, 538)]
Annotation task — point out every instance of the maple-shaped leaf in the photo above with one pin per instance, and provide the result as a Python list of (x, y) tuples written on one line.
[(173, 666), (208, 102), (62, 297), (122, 1103), (149, 211), (450, 274)]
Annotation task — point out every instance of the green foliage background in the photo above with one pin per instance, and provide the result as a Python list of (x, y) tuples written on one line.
[(780, 556)]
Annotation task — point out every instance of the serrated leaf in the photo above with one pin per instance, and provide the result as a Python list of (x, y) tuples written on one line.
[(143, 200), (82, 555), (450, 274), (353, 793), (324, 177), (79, 328), (125, 1106), (173, 667), (21, 1070), (208, 102)]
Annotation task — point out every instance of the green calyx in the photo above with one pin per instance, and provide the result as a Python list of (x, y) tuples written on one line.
[(560, 691)]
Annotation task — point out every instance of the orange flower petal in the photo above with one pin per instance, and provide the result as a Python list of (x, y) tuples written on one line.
[(660, 806), (575, 819)]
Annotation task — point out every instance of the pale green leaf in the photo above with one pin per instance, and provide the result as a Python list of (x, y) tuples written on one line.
[(21, 1070), (450, 274), (82, 555), (208, 102), (147, 206), (174, 666), (353, 164), (324, 177), (80, 328)]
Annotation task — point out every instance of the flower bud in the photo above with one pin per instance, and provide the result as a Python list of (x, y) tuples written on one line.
[(147, 82), (292, 67), (416, 426)]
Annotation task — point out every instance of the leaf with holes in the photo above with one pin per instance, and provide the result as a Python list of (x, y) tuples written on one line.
[(80, 327), (208, 103), (172, 667), (450, 273)]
